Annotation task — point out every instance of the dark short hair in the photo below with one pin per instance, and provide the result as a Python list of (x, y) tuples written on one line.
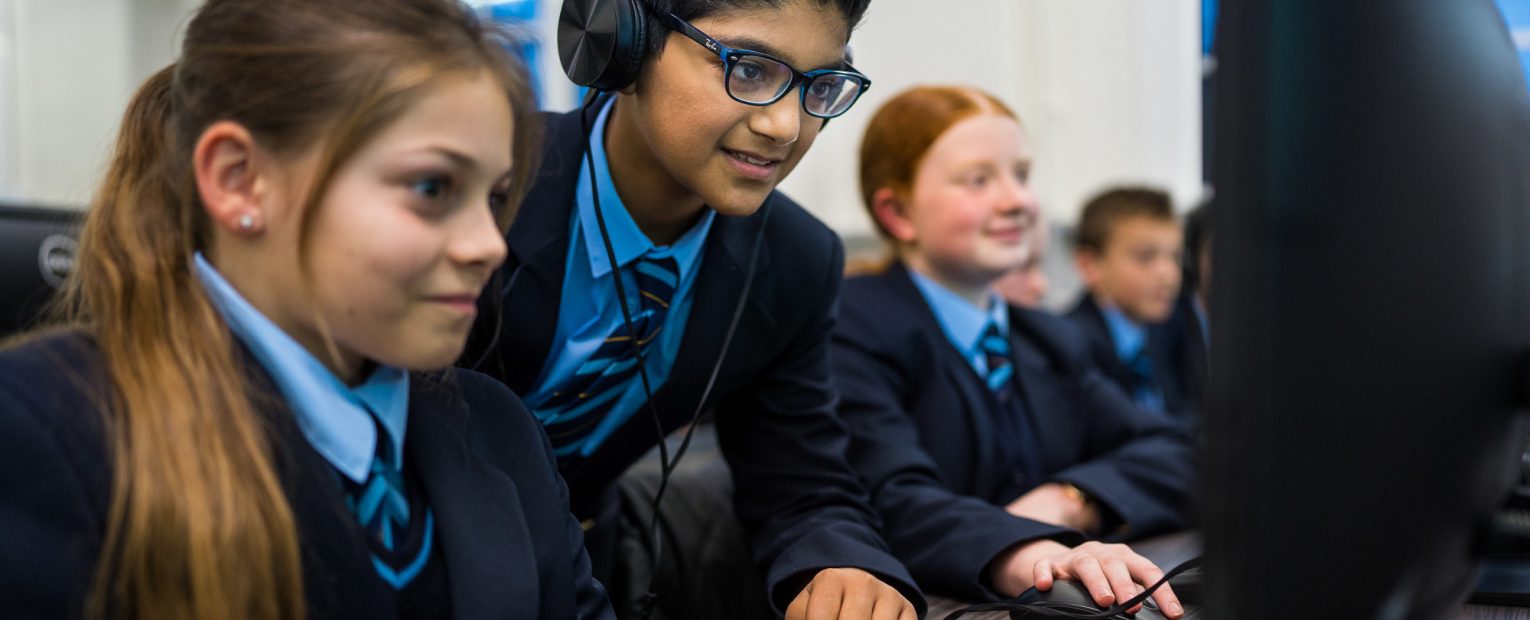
[(1107, 209), (688, 10)]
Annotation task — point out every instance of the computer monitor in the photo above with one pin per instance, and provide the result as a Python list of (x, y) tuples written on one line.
[(37, 246), (1371, 314)]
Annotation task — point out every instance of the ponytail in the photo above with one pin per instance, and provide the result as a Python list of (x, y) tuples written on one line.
[(198, 525)]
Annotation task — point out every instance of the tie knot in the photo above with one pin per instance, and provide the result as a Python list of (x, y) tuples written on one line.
[(994, 342), (995, 346)]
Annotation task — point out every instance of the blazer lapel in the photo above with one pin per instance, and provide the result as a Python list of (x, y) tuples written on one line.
[(529, 286), (480, 524), (1047, 403), (970, 390), (334, 549), (714, 297)]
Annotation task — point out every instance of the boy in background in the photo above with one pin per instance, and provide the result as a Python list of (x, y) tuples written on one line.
[(1128, 254)]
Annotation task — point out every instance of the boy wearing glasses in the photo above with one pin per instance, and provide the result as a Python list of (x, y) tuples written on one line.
[(685, 163)]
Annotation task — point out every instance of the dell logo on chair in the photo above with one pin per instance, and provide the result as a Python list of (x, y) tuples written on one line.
[(55, 258)]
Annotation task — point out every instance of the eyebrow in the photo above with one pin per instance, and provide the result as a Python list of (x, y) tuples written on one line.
[(752, 44), (459, 159)]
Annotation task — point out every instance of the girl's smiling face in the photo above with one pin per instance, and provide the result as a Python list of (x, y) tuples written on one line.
[(970, 215)]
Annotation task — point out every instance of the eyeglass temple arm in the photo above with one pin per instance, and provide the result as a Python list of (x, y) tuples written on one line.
[(680, 26)]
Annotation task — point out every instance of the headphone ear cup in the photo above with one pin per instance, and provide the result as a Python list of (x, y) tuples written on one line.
[(602, 43)]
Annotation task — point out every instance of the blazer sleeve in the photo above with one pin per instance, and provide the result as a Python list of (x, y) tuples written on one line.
[(1141, 463), (590, 600), (947, 539), (510, 417), (50, 531), (793, 486)]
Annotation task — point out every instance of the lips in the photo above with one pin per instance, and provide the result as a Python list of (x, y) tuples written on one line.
[(753, 165), (464, 302), (1008, 235)]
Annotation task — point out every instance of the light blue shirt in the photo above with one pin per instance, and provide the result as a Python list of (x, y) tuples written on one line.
[(333, 416), (963, 322), (1130, 340), (588, 311), (1129, 337)]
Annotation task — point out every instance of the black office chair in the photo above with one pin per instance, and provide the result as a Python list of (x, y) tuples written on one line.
[(37, 248)]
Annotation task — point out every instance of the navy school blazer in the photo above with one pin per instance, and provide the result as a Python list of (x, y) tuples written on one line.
[(510, 546), (924, 439), (774, 397), (1170, 379)]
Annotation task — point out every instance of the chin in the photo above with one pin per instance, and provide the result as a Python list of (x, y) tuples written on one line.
[(737, 208), (426, 356), (736, 201)]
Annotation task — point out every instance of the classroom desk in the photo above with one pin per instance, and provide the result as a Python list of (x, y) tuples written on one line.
[(1168, 551)]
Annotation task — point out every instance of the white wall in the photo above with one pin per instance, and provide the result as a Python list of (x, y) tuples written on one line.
[(1109, 89), (67, 70)]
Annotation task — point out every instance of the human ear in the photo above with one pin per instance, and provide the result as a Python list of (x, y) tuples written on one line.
[(891, 211), (227, 179), (1089, 269)]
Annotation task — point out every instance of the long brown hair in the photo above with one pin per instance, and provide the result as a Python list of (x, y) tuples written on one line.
[(199, 526), (903, 130)]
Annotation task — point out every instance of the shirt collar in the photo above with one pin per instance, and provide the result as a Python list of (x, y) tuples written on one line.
[(1129, 337), (332, 415), (962, 321), (627, 240)]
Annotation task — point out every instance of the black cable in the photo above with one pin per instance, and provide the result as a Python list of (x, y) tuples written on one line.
[(497, 310), (616, 273), (666, 464)]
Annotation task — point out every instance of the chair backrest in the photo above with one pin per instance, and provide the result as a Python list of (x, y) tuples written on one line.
[(37, 248)]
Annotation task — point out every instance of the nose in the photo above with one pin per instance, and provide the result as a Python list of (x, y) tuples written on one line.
[(1017, 197), (781, 122), (477, 243)]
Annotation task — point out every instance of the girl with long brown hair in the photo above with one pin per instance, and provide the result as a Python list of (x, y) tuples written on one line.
[(999, 458), (243, 412)]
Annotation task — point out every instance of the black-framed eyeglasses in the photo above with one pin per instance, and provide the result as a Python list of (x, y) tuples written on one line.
[(760, 79)]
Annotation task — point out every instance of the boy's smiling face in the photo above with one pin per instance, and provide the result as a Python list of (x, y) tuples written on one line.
[(677, 141)]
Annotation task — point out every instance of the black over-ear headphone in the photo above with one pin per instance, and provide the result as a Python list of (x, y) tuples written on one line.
[(602, 43)]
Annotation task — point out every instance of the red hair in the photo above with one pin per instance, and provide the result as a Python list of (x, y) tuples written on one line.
[(903, 130)]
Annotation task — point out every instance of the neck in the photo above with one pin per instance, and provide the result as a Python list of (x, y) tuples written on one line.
[(660, 206), (972, 289), (1106, 303), (244, 273)]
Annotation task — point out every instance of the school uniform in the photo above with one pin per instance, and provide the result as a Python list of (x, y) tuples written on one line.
[(1139, 358), (414, 495), (773, 399), (947, 434)]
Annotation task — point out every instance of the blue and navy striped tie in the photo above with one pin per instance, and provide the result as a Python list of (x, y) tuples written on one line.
[(381, 506), (995, 347), (1145, 391), (577, 407)]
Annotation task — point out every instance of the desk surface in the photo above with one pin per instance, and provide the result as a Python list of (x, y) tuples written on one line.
[(1168, 551)]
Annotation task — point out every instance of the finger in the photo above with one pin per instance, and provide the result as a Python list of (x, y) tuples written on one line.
[(1086, 569), (857, 603), (1168, 601), (892, 606), (1147, 573), (1120, 581), (798, 609), (827, 597), (1041, 574)]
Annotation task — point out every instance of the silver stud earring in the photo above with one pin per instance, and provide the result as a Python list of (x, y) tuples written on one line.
[(247, 222)]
